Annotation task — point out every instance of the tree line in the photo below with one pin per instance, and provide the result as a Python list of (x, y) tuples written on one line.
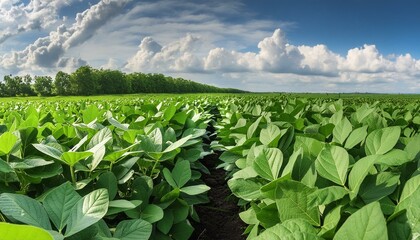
[(90, 81)]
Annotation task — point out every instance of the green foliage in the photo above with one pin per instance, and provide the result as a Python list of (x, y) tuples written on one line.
[(345, 166), (87, 170)]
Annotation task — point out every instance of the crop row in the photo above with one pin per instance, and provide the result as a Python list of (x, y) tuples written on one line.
[(124, 169), (322, 169)]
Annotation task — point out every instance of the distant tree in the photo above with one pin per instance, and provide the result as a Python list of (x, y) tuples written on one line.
[(62, 84), (83, 81), (112, 82), (26, 87), (13, 85), (43, 85), (3, 90)]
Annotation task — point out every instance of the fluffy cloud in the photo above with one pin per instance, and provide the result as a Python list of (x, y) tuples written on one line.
[(16, 17), (48, 52), (177, 56), (277, 58)]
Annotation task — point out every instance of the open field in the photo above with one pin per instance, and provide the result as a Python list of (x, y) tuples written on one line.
[(210, 166)]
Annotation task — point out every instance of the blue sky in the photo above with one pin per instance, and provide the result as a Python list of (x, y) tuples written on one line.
[(283, 45)]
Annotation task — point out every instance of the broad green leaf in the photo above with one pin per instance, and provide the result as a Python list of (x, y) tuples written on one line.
[(330, 223), (24, 209), (292, 202), (251, 130), (59, 202), (268, 163), (5, 167), (381, 141), (268, 215), (195, 189), (181, 173), (169, 112), (296, 229), (359, 172), (7, 142), (399, 228), (376, 187), (50, 151), (413, 147), (121, 205), (136, 229), (152, 213), (87, 211), (105, 134), (72, 158), (409, 201), (366, 223), (117, 124), (326, 195), (178, 143), (247, 189), (395, 157), (356, 136), (79, 144), (182, 230), (332, 163), (29, 163), (341, 131), (18, 232), (165, 224), (270, 136), (109, 181)]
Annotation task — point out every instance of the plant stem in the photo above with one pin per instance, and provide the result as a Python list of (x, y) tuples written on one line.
[(153, 169), (7, 158), (110, 166), (73, 177), (2, 218)]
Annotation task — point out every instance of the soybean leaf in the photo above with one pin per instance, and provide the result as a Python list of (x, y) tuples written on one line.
[(136, 229), (290, 229), (332, 163), (270, 136), (292, 202), (395, 157), (87, 211), (409, 201), (247, 189), (5, 167), (366, 223), (326, 195), (50, 151), (181, 173), (121, 205), (331, 221), (356, 136), (7, 142), (341, 131), (59, 202), (381, 141), (195, 189), (268, 163), (399, 227), (359, 172), (177, 144), (31, 162), (71, 158), (376, 187), (24, 209), (152, 213), (17, 232), (109, 181), (251, 130)]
